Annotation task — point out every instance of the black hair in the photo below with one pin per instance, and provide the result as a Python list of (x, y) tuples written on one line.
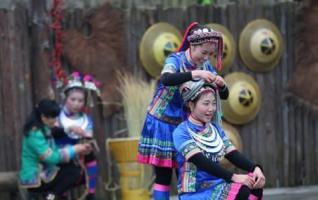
[(46, 107), (68, 91), (186, 107)]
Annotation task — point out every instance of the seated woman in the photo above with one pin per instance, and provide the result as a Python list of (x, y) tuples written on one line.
[(201, 144), (74, 126), (40, 171)]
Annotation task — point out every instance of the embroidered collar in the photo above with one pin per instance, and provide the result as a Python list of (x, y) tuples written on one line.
[(67, 113)]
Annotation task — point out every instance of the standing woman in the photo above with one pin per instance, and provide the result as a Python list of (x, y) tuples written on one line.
[(201, 144), (191, 62), (40, 171)]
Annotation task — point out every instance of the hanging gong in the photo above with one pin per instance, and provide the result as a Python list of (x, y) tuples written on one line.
[(229, 48), (233, 134), (244, 101), (159, 40), (260, 45)]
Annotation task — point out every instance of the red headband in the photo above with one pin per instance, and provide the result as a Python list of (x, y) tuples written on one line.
[(185, 43)]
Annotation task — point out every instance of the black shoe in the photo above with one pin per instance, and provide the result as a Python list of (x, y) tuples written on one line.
[(91, 197)]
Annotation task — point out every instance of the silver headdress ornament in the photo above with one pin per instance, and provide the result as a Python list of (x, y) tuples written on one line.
[(91, 84), (204, 35), (73, 81), (87, 83), (191, 89)]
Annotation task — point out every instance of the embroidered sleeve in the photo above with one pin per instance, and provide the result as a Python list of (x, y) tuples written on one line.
[(46, 153), (189, 149), (171, 64), (67, 153), (184, 143)]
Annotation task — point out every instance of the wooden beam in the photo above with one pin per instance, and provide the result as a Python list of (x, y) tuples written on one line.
[(8, 181)]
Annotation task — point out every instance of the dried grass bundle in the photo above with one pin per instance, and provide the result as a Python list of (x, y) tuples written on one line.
[(136, 96)]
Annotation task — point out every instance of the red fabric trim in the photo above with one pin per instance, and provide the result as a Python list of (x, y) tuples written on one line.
[(185, 44), (220, 54)]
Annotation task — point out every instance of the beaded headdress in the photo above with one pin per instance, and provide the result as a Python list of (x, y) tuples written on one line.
[(73, 81), (87, 83)]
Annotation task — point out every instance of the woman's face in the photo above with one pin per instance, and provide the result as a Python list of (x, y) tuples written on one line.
[(204, 108), (75, 101), (48, 121), (201, 53)]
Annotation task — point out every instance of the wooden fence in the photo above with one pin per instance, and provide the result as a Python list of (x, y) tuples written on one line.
[(282, 137)]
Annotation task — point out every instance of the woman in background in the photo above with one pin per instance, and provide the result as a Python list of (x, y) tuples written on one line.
[(45, 168)]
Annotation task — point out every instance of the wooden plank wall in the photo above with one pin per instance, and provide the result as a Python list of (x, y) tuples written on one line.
[(15, 86), (283, 135), (152, 4)]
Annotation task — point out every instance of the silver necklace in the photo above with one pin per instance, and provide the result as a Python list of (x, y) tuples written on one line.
[(209, 142)]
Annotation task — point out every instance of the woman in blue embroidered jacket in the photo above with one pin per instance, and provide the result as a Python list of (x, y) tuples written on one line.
[(39, 170), (165, 111), (201, 144)]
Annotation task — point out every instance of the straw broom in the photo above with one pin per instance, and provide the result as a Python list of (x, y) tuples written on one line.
[(136, 96)]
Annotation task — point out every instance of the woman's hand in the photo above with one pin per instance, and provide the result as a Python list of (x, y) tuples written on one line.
[(203, 74), (243, 179), (259, 178), (77, 130), (82, 148), (219, 81)]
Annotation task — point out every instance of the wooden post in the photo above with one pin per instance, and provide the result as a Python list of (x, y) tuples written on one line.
[(40, 62), (8, 181), (100, 136), (15, 88)]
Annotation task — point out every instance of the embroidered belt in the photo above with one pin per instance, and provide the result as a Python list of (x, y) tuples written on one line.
[(198, 187), (170, 120)]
